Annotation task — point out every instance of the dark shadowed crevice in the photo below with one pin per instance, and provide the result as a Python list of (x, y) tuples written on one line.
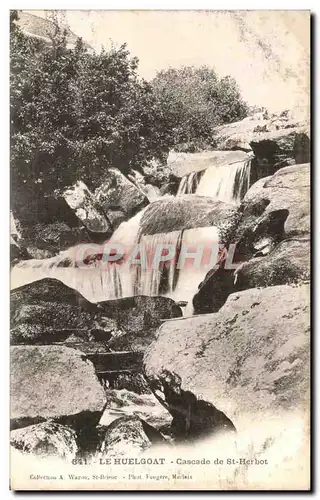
[(193, 418)]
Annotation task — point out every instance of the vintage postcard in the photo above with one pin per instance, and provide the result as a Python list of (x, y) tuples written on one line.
[(160, 250)]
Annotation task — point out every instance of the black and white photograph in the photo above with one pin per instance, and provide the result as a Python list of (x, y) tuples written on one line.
[(160, 250)]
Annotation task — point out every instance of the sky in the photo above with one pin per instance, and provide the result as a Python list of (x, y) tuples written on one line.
[(267, 52)]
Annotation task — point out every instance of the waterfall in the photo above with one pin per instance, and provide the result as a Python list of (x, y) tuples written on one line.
[(162, 280), (191, 276), (227, 183), (189, 183), (82, 267)]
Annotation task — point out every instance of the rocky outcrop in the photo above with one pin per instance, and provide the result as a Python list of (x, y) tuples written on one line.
[(184, 212), (249, 358), (289, 189), (88, 211), (138, 317), (239, 135), (119, 198), (17, 253), (127, 436), (184, 163), (48, 311), (280, 147), (272, 232), (47, 439), (42, 240), (52, 381), (288, 262), (276, 141)]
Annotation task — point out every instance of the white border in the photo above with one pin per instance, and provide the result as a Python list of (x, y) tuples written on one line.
[(312, 5)]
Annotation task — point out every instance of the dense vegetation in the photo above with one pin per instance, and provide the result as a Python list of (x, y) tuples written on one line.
[(74, 112), (196, 100)]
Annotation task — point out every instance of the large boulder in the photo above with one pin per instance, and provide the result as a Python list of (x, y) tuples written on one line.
[(288, 189), (288, 262), (119, 198), (48, 311), (43, 240), (86, 208), (47, 439), (281, 146), (243, 134), (185, 163), (139, 317), (52, 381), (250, 358), (127, 436), (184, 212), (237, 135)]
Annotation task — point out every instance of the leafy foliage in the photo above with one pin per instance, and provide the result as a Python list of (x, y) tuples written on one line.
[(196, 100), (75, 113)]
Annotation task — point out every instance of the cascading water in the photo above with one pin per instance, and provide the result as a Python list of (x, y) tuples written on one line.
[(160, 279), (189, 183), (227, 183), (82, 267)]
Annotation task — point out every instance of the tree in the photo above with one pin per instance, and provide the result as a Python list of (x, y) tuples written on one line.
[(75, 113), (195, 100)]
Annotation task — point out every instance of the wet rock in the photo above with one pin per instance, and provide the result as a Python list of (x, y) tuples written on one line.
[(117, 193), (288, 262), (249, 358), (138, 317), (48, 311), (131, 381), (52, 381), (193, 418), (44, 240), (124, 403), (184, 212), (127, 436), (214, 291), (17, 253), (47, 439), (184, 163), (82, 201)]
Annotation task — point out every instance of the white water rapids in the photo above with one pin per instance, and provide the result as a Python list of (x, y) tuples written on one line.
[(98, 280), (226, 183)]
